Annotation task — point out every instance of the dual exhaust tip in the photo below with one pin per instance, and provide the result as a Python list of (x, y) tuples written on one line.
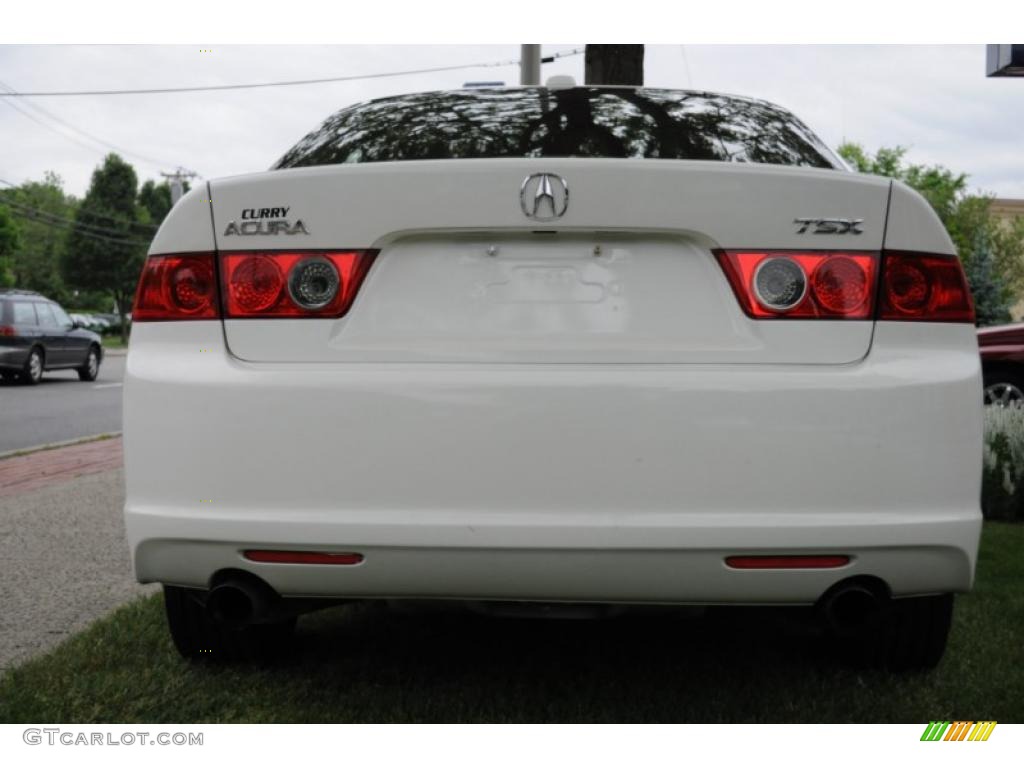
[(240, 601), (852, 606)]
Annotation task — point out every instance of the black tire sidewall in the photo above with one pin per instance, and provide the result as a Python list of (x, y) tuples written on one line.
[(26, 374), (84, 373)]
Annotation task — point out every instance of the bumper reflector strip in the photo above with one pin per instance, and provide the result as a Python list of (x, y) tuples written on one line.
[(303, 558), (761, 562)]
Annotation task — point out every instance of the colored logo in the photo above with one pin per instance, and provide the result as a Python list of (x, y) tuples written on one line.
[(961, 730)]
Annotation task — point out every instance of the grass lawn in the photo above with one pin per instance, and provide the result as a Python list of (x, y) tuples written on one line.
[(365, 663)]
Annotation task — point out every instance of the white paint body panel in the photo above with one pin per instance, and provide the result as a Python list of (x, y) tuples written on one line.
[(554, 438), (655, 294), (441, 474)]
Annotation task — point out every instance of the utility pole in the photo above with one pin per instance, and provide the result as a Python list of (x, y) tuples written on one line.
[(529, 64), (614, 64), (178, 183)]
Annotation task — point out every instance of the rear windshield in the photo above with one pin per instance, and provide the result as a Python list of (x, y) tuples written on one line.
[(575, 122)]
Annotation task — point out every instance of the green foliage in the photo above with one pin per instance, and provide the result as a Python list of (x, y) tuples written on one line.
[(977, 234), (155, 199), (36, 260), (110, 262), (992, 305), (1003, 476), (9, 238), (87, 254)]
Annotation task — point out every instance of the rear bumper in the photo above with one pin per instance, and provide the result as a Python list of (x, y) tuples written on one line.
[(549, 482), (13, 358), (679, 568)]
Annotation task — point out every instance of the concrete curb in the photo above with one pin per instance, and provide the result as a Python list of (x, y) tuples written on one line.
[(120, 352), (61, 444)]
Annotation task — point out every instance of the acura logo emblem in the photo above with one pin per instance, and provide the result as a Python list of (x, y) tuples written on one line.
[(544, 196)]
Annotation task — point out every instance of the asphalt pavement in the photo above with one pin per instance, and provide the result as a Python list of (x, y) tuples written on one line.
[(61, 407)]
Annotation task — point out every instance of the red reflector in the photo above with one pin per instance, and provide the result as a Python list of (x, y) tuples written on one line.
[(265, 283), (787, 561), (177, 287), (924, 288), (842, 283), (305, 558)]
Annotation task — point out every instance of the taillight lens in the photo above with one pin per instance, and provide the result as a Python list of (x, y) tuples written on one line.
[(841, 285), (924, 287), (254, 284), (786, 284), (177, 287), (7, 330), (292, 284)]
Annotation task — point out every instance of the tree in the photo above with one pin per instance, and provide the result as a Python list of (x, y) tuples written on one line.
[(155, 199), (978, 236), (8, 245), (42, 210), (106, 248), (991, 304), (613, 64)]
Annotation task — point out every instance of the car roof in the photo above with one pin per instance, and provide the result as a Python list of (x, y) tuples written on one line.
[(22, 295)]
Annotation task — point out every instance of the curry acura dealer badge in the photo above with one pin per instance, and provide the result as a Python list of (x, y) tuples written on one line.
[(544, 196), (266, 221)]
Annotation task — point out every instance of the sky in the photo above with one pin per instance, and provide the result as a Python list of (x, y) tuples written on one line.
[(934, 100)]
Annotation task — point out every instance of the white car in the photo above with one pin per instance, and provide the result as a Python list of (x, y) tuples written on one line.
[(579, 346)]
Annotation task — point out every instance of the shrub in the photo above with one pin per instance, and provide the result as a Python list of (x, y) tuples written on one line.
[(1002, 494)]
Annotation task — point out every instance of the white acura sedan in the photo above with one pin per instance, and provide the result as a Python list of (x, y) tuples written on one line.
[(580, 346)]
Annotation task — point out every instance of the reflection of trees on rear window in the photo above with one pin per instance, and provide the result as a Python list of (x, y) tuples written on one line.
[(576, 122)]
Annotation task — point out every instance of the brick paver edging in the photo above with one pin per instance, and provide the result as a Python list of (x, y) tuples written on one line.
[(35, 470)]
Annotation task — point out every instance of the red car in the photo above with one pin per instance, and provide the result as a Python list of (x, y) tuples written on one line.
[(1002, 362)]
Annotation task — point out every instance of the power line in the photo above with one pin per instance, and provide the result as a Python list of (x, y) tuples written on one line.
[(17, 108), (83, 233), (59, 219), (283, 83), (155, 163), (90, 211)]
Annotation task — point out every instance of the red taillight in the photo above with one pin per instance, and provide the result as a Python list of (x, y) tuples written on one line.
[(292, 284), (7, 330), (177, 287), (841, 285), (254, 284), (303, 558), (762, 562), (834, 286), (924, 287)]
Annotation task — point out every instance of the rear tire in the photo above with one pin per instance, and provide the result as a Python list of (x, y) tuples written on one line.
[(32, 373), (198, 638), (909, 634), (91, 369)]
